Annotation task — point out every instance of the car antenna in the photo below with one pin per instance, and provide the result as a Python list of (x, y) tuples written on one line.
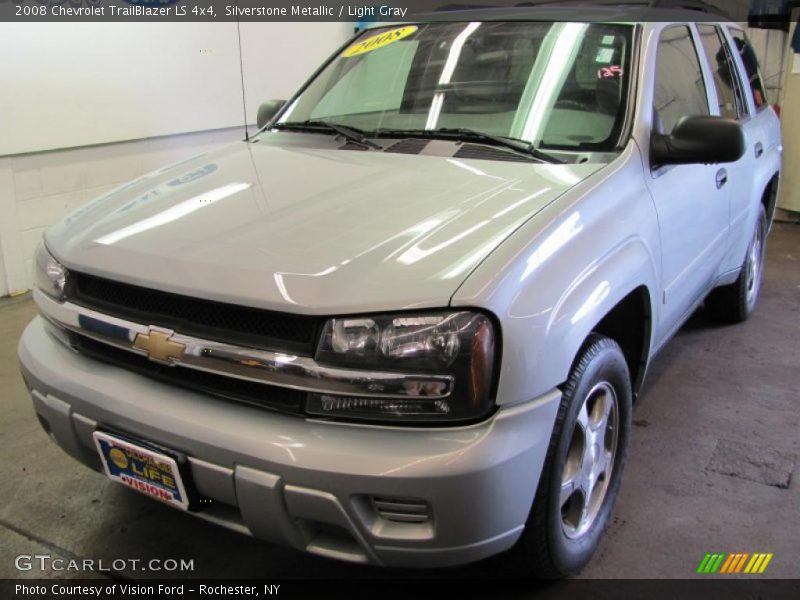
[(241, 75)]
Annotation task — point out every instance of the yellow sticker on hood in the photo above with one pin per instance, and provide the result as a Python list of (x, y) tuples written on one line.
[(374, 42)]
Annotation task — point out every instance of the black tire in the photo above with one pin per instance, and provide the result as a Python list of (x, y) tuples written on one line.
[(545, 550), (734, 303)]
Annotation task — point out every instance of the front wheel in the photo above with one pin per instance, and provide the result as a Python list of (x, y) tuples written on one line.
[(583, 469)]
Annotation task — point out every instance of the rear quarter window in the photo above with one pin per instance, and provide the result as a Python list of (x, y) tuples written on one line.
[(726, 81), (752, 71)]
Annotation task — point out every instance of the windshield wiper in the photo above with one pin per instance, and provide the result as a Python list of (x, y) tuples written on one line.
[(349, 133), (461, 133)]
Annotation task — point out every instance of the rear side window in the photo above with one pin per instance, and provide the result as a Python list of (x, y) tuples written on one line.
[(750, 61), (680, 89), (731, 103)]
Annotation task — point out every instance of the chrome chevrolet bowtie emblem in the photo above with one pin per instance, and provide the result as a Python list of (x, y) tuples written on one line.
[(159, 346)]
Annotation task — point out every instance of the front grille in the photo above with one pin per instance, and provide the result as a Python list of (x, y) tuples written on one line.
[(229, 388), (206, 319)]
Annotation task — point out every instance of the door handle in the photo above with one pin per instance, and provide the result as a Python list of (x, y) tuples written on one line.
[(722, 178), (759, 149)]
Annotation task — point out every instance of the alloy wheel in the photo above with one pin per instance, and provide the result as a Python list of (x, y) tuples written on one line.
[(590, 460), (755, 265)]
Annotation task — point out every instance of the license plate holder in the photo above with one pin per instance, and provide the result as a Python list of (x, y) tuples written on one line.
[(150, 470)]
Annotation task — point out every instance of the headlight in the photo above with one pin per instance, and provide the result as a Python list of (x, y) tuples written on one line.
[(461, 344), (49, 275)]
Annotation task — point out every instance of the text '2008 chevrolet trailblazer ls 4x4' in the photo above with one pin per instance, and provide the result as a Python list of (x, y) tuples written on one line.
[(404, 324)]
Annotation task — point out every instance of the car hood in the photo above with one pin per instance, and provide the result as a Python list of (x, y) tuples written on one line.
[(309, 230)]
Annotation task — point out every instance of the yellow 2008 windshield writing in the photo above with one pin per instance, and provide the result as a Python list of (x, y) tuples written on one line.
[(379, 41)]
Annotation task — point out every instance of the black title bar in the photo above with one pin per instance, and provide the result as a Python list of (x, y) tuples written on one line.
[(368, 11)]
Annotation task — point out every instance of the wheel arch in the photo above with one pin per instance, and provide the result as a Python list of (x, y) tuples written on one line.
[(769, 197), (630, 324), (615, 299)]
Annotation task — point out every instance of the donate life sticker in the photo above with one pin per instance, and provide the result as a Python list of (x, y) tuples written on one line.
[(379, 41)]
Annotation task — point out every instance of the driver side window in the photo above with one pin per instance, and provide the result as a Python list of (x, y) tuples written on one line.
[(680, 88)]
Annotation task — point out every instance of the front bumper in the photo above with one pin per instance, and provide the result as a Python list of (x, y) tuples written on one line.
[(306, 483)]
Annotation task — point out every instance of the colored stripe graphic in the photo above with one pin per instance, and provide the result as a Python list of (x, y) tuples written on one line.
[(703, 563), (714, 563), (741, 563), (722, 563), (730, 563), (733, 560), (756, 559), (734, 563), (765, 563)]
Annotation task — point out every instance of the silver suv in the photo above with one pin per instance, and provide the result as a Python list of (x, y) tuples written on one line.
[(405, 323)]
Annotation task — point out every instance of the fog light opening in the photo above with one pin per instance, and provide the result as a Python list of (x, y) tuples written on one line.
[(366, 408)]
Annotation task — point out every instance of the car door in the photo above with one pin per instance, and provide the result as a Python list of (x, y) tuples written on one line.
[(691, 200), (761, 129), (731, 93)]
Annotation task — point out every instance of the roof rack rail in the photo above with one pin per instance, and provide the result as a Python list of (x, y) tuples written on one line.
[(447, 7), (698, 5)]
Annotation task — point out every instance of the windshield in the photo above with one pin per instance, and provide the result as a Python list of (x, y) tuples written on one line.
[(553, 85)]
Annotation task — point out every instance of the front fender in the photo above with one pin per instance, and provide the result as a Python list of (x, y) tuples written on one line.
[(623, 270), (554, 280)]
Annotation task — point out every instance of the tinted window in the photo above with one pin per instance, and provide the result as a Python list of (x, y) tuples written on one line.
[(680, 88), (751, 67), (376, 83), (730, 104)]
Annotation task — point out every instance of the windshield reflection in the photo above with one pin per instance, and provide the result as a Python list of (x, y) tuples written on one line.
[(551, 85)]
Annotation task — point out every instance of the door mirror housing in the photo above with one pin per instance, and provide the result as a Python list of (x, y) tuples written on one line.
[(268, 110), (699, 140)]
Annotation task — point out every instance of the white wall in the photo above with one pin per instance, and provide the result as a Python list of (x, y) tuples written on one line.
[(7, 225), (279, 57), (790, 179), (150, 93), (77, 84), (3, 284)]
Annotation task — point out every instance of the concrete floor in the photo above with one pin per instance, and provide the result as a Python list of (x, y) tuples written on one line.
[(731, 385)]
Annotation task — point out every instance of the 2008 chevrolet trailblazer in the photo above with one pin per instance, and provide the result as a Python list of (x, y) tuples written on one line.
[(404, 324)]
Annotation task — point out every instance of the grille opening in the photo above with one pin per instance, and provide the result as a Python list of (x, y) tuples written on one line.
[(229, 388), (332, 541), (490, 153), (402, 510), (208, 319), (408, 146)]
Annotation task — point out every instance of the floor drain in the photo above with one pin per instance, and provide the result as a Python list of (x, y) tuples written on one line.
[(754, 463)]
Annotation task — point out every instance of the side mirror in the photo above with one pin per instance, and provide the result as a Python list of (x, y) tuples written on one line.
[(268, 110), (699, 140)]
